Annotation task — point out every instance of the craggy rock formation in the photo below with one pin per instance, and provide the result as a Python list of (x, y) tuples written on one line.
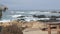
[(2, 8), (39, 16)]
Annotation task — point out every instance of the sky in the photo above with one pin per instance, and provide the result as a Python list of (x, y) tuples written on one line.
[(31, 4)]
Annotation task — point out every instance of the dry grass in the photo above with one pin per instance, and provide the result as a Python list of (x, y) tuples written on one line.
[(15, 27)]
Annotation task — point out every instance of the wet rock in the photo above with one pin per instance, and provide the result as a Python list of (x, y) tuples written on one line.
[(39, 16), (20, 16)]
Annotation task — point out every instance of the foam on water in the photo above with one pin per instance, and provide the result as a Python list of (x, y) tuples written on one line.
[(19, 12), (4, 21), (11, 15), (14, 16)]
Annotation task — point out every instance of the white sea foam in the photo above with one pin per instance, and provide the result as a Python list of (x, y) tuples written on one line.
[(28, 15), (44, 18), (32, 12), (35, 19), (39, 13), (29, 19), (5, 21), (15, 16), (19, 12)]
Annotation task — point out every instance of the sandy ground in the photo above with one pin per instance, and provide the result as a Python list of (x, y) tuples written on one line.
[(37, 31)]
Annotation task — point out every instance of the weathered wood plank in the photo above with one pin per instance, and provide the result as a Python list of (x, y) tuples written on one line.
[(49, 29), (58, 29)]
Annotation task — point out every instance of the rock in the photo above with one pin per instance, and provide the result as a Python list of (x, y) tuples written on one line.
[(39, 16), (3, 8)]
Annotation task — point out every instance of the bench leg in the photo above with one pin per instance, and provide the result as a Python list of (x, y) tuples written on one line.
[(58, 32), (49, 29)]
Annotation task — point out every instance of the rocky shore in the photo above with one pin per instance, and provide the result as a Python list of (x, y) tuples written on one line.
[(19, 26)]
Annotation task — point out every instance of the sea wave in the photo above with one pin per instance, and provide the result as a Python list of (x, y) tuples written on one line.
[(20, 12), (14, 16), (4, 21), (11, 15)]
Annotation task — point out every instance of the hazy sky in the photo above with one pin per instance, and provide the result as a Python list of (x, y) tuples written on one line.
[(31, 4)]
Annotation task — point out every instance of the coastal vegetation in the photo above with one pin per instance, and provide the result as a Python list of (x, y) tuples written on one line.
[(17, 27)]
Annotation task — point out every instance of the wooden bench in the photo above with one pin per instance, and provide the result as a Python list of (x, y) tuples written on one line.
[(53, 23)]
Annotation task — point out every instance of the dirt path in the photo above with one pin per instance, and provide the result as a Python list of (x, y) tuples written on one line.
[(29, 31)]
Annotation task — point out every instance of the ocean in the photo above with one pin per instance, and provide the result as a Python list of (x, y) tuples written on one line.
[(10, 15)]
